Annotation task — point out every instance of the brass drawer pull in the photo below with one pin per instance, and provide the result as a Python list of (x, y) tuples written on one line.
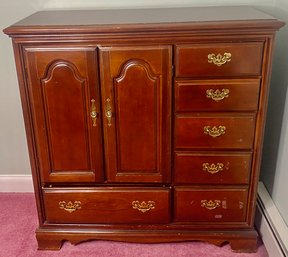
[(217, 95), (108, 111), (212, 168), (143, 206), (219, 59), (70, 207), (210, 205), (93, 113), (214, 131)]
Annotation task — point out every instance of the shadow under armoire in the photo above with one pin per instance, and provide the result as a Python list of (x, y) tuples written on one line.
[(145, 125)]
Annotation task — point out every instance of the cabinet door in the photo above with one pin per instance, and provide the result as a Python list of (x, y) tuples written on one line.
[(136, 110), (65, 105)]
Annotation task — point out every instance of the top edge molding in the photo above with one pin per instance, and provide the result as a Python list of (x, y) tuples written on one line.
[(144, 20)]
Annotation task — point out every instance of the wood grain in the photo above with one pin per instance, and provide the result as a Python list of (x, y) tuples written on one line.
[(137, 82), (189, 168), (152, 64)]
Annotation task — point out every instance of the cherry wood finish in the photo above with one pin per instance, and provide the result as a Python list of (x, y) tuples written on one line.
[(137, 82), (131, 168), (192, 95), (108, 205), (242, 241), (238, 134), (222, 205), (192, 60), (61, 85), (212, 168)]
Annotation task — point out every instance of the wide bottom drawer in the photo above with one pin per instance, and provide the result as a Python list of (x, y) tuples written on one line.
[(210, 205), (107, 205)]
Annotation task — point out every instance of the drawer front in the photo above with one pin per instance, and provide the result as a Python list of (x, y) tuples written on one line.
[(212, 168), (217, 95), (222, 59), (107, 205), (214, 132), (210, 205)]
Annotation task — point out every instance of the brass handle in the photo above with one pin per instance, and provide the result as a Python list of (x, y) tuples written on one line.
[(210, 205), (212, 168), (70, 207), (93, 113), (217, 95), (108, 111), (219, 59), (143, 206), (214, 131)]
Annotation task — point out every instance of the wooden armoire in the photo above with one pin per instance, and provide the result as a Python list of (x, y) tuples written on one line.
[(145, 125)]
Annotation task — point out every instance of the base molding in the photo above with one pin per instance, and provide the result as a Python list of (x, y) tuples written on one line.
[(240, 241), (16, 183), (270, 224)]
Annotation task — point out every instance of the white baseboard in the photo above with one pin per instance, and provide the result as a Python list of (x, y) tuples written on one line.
[(16, 183), (270, 224)]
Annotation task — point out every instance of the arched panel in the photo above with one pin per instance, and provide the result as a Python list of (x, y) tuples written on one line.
[(136, 104), (64, 93), (63, 90), (136, 97)]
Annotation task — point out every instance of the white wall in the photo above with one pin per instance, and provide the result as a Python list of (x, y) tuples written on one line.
[(52, 4), (274, 172), (13, 149)]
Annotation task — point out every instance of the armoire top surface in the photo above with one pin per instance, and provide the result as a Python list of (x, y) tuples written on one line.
[(69, 21)]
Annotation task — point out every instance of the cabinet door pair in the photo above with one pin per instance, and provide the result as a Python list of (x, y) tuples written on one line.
[(101, 114)]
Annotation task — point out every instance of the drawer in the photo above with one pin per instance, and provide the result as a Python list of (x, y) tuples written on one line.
[(219, 59), (210, 205), (214, 131), (107, 205), (212, 168), (217, 95)]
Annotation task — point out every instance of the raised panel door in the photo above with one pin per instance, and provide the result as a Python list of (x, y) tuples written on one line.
[(64, 93), (136, 99)]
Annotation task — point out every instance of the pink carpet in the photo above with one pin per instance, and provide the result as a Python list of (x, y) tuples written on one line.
[(18, 221)]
